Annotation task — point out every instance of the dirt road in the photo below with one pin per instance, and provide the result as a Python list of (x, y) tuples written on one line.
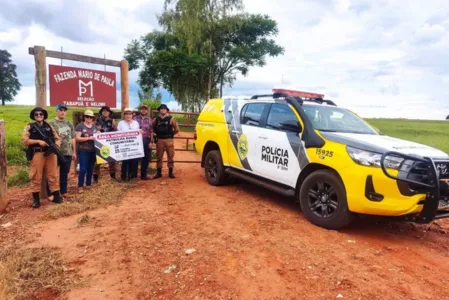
[(248, 244)]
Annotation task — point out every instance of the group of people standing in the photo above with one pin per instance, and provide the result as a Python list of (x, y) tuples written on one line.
[(79, 143)]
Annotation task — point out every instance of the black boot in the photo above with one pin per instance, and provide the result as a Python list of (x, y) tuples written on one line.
[(144, 176), (158, 173), (36, 200), (170, 173), (57, 197), (95, 178)]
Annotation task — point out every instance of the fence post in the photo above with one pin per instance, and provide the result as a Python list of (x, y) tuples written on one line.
[(3, 170)]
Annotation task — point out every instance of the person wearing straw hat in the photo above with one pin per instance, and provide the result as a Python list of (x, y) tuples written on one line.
[(129, 166), (85, 137), (33, 138), (165, 127)]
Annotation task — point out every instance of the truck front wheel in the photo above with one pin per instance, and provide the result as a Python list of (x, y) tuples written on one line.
[(323, 200)]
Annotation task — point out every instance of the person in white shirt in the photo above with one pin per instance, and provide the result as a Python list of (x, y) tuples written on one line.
[(129, 166)]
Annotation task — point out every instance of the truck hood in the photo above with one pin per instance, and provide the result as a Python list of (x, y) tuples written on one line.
[(383, 143)]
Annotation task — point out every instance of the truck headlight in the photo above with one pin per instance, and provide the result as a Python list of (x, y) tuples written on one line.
[(368, 158)]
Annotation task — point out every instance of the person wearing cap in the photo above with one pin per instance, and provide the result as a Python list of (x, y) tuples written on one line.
[(85, 137), (66, 132), (145, 124), (33, 139), (129, 166), (165, 127), (105, 123)]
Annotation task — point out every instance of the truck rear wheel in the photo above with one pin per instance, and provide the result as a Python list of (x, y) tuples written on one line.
[(323, 200), (214, 168)]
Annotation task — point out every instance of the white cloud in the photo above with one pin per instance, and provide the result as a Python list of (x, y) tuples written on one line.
[(115, 23), (173, 106), (382, 58), (430, 33)]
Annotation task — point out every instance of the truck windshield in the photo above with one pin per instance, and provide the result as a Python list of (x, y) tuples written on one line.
[(335, 119)]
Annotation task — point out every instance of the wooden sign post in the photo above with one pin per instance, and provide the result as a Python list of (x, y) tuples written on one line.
[(40, 55), (3, 170)]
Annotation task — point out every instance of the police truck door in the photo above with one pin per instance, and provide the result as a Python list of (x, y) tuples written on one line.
[(279, 148), (245, 153)]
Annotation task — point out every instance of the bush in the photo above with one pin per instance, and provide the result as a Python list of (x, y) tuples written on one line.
[(151, 103)]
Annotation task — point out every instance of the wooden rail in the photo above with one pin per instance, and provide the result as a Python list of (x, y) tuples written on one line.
[(154, 113)]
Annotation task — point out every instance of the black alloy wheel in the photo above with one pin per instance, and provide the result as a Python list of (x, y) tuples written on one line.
[(211, 168), (323, 200), (214, 168)]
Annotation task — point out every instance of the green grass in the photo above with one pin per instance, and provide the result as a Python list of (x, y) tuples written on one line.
[(16, 117), (432, 133), (427, 132), (20, 178)]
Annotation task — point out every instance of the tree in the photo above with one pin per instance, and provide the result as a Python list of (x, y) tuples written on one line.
[(194, 61), (9, 84), (167, 64), (148, 94), (240, 43), (148, 98), (195, 21)]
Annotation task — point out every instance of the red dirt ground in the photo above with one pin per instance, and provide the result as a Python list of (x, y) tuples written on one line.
[(249, 244)]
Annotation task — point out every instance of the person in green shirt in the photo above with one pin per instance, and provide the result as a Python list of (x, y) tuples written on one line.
[(66, 132)]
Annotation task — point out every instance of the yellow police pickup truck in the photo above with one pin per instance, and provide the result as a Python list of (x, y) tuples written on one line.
[(330, 160)]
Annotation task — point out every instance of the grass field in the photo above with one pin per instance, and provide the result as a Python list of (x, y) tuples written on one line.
[(432, 133)]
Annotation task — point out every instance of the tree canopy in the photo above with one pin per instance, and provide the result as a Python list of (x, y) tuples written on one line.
[(9, 84), (201, 49)]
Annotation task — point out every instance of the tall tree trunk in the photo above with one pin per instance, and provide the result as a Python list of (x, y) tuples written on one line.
[(3, 101), (209, 87), (221, 86)]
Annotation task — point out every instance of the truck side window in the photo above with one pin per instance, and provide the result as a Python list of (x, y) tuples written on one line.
[(278, 114), (251, 115)]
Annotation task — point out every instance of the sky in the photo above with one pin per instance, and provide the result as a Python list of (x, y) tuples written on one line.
[(379, 58)]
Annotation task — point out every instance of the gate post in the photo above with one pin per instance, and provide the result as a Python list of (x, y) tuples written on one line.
[(3, 169), (40, 61), (124, 84), (41, 76)]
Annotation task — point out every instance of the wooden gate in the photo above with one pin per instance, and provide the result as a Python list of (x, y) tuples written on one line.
[(190, 124)]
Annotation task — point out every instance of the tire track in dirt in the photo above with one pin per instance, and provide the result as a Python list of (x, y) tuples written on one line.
[(249, 244)]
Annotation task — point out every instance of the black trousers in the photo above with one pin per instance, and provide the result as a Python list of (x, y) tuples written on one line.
[(145, 161), (129, 169)]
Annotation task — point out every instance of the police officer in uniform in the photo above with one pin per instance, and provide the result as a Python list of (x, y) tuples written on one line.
[(164, 127), (105, 123), (37, 147)]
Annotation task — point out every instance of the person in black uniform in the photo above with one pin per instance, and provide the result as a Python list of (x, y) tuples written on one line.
[(105, 123), (165, 127)]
